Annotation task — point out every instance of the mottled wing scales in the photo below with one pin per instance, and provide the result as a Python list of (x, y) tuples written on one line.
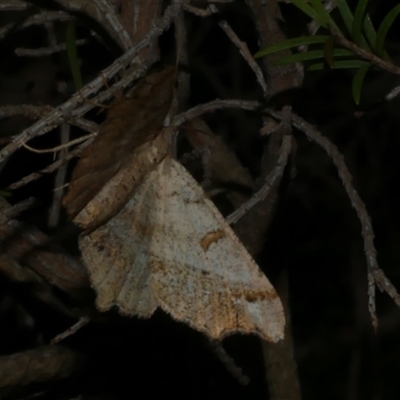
[(117, 256), (170, 247), (201, 273)]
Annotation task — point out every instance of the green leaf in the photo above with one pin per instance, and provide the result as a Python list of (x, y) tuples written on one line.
[(370, 33), (369, 30), (348, 20), (356, 30), (358, 81), (384, 28), (73, 56), (323, 17), (312, 55), (346, 14), (289, 43), (328, 51), (345, 64), (300, 57), (305, 7)]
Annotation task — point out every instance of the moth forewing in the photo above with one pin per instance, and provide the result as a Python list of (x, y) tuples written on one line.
[(170, 247)]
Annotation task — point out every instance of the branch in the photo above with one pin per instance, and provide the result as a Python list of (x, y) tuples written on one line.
[(375, 274)]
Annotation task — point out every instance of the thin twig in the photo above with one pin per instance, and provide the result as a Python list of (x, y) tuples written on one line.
[(112, 18), (228, 362), (274, 175), (215, 105), (183, 76), (59, 180), (314, 25), (35, 112), (13, 211), (242, 46), (51, 34), (375, 274), (26, 110), (393, 93), (71, 330), (128, 77), (41, 364), (13, 5), (199, 12), (243, 49), (50, 168), (85, 124), (61, 146), (46, 51), (38, 19), (367, 55)]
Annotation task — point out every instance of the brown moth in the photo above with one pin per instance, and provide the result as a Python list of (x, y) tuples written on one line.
[(168, 246), (130, 123)]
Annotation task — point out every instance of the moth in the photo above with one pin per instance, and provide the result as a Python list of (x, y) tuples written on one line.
[(168, 246)]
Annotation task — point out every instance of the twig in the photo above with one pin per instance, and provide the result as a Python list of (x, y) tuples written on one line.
[(129, 76), (45, 51), (228, 362), (57, 116), (71, 330), (39, 365), (27, 110), (242, 46), (271, 178), (35, 112), (13, 5), (85, 124), (61, 146), (243, 49), (11, 212), (115, 23), (387, 66), (183, 77), (51, 34), (51, 168), (59, 181), (393, 93), (38, 19), (215, 105), (199, 12), (314, 25), (375, 274)]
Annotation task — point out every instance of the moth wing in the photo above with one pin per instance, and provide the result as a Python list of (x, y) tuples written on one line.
[(170, 247), (201, 273), (117, 254)]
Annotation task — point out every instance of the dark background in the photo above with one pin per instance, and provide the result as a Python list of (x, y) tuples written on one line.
[(315, 233)]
